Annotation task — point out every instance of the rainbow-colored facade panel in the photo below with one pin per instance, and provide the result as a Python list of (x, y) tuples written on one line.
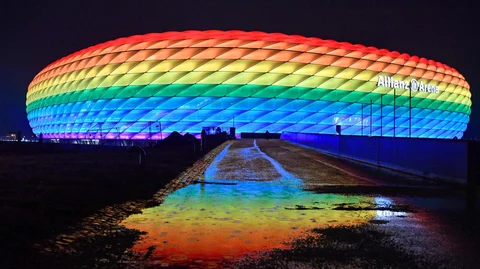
[(139, 86)]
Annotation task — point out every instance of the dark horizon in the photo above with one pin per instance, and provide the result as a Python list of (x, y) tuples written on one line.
[(38, 34)]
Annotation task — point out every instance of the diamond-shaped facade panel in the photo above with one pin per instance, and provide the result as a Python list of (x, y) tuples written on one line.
[(150, 85)]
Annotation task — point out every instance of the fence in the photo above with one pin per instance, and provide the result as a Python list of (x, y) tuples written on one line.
[(434, 158)]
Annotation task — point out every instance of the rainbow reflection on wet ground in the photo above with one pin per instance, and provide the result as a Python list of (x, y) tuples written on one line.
[(213, 222), (218, 220)]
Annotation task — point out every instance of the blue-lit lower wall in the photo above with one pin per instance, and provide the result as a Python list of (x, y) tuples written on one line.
[(141, 118), (433, 158)]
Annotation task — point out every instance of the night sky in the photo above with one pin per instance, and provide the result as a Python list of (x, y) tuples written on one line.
[(35, 34)]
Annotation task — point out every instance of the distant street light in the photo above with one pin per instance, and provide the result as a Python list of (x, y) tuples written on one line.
[(371, 116), (160, 129), (410, 115), (362, 118), (394, 108), (116, 137), (381, 115)]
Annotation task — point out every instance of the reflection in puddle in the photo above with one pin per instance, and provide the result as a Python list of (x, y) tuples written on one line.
[(213, 222), (206, 224), (386, 214)]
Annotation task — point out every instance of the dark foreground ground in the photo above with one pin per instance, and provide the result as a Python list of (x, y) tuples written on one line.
[(65, 210), (325, 211), (45, 192)]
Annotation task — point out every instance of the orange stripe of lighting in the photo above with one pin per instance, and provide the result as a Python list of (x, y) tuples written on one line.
[(222, 35)]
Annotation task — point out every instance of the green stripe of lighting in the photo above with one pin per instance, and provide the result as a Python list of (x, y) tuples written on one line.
[(259, 91)]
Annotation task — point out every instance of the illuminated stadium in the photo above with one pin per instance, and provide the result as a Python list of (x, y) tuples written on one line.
[(147, 86)]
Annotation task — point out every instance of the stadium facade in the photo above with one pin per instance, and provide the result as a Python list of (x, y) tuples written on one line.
[(147, 86)]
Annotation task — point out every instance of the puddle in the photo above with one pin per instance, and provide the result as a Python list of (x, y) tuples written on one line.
[(212, 223)]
